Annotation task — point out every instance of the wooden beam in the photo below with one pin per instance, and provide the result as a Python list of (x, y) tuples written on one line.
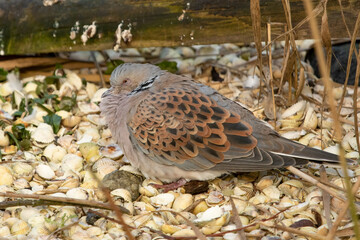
[(27, 26)]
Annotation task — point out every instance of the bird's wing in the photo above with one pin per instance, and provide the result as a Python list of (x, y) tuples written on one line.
[(186, 128)]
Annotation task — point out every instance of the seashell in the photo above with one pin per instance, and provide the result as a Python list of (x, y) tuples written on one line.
[(71, 121), (112, 151), (28, 213), (182, 202), (352, 155), (323, 230), (184, 233), (70, 182), (346, 111), (353, 144), (43, 133), (164, 199), (122, 193), (91, 89), (209, 215), (63, 114), (215, 197), (259, 199), (306, 139), (332, 149), (148, 191), (350, 172), (215, 225), (265, 182), (337, 92), (54, 153), (289, 187), (327, 123), (295, 111), (73, 79), (286, 202), (77, 193), (90, 151), (22, 170), (7, 150), (89, 182), (65, 141), (20, 227), (4, 139), (44, 171), (66, 89), (131, 169), (169, 229), (186, 52), (21, 183), (97, 95), (5, 231), (296, 209), (105, 166), (310, 121), (293, 135), (94, 231), (272, 192), (88, 108), (6, 176), (91, 133), (72, 163)]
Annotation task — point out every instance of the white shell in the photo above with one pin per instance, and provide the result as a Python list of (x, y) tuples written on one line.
[(88, 108), (297, 107), (123, 193), (6, 176), (73, 79), (43, 133), (44, 171), (4, 139), (162, 199), (72, 163), (98, 94), (77, 193), (209, 214), (112, 151), (54, 153)]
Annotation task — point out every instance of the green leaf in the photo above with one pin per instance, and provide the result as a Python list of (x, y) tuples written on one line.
[(54, 121), (112, 65), (3, 74), (168, 66), (66, 103)]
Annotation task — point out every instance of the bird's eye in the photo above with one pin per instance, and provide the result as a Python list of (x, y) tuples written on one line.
[(125, 81)]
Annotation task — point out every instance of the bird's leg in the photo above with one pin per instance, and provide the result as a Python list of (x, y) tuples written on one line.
[(170, 186)]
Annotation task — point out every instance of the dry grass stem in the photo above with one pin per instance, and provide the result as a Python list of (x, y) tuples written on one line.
[(331, 101), (299, 232), (237, 220), (343, 212), (70, 201), (326, 198)]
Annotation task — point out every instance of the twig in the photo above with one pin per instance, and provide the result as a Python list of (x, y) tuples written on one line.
[(299, 232), (271, 72), (326, 198), (62, 229), (316, 182), (343, 212), (102, 81), (69, 201), (330, 98), (237, 220)]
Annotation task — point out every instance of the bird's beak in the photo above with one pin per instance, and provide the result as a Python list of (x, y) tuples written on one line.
[(107, 93)]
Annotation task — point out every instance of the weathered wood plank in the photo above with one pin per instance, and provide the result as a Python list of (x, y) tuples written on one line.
[(28, 26)]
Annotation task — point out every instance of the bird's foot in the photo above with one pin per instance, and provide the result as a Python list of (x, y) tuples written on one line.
[(170, 186)]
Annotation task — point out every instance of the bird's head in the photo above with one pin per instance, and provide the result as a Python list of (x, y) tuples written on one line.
[(132, 78)]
